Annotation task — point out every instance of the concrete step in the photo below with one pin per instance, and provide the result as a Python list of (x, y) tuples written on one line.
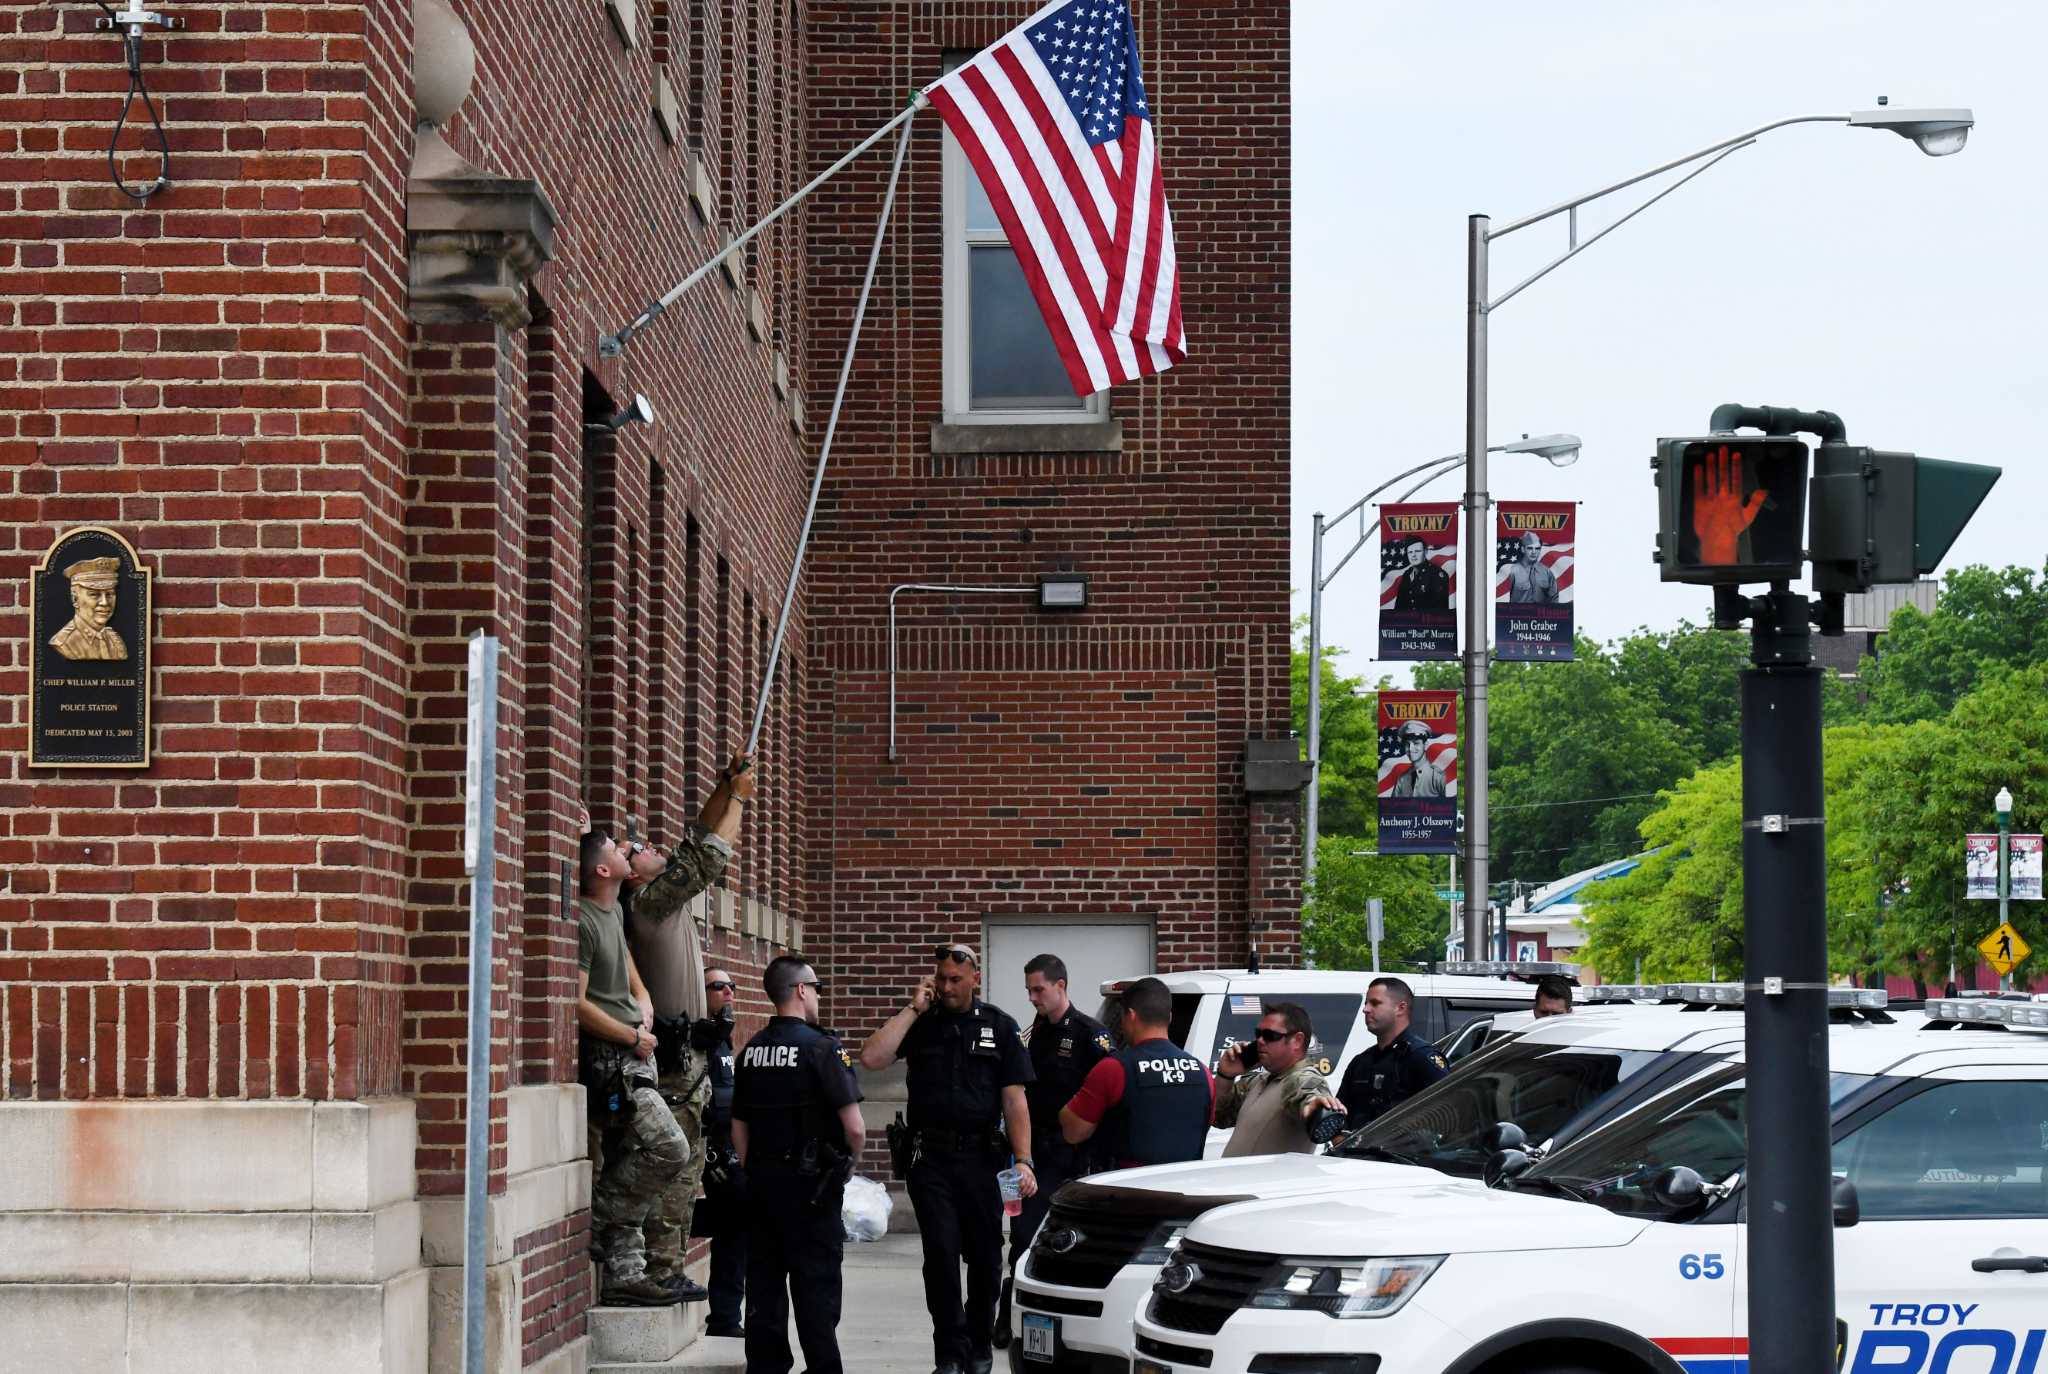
[(647, 1335), (707, 1355)]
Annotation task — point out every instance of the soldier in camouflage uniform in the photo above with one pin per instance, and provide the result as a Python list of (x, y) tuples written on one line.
[(615, 1050), (668, 948), (1270, 1106)]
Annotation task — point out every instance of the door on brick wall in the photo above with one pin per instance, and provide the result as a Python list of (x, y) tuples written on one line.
[(1096, 949)]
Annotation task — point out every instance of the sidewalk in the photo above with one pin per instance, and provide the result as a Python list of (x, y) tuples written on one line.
[(883, 1328)]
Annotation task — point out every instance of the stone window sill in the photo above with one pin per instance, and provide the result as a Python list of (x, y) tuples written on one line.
[(1098, 436)]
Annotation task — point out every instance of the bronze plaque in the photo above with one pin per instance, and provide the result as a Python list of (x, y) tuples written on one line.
[(88, 686)]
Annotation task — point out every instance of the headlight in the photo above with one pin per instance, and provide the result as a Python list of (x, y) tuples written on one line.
[(1369, 1288), (1160, 1245)]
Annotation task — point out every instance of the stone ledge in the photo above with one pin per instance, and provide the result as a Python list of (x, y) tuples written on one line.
[(543, 1126), (648, 1335), (202, 1247), (573, 1358), (231, 1328), (168, 1156), (530, 1201), (1095, 436)]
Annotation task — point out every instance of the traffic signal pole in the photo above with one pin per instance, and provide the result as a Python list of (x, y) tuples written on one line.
[(1789, 1180)]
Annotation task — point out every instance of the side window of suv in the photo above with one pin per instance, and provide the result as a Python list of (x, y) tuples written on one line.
[(1957, 1150)]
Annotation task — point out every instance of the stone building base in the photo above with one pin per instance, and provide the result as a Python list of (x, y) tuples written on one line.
[(163, 1237)]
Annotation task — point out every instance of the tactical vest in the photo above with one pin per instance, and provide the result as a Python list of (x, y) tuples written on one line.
[(1164, 1115)]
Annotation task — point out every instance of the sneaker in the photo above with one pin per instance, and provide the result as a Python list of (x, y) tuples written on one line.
[(685, 1289), (638, 1291)]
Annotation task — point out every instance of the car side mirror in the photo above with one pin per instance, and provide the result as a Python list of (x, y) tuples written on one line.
[(1848, 1208), (1678, 1187), (1503, 1165), (1506, 1135)]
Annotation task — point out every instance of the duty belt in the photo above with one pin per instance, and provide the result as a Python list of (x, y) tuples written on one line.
[(973, 1140)]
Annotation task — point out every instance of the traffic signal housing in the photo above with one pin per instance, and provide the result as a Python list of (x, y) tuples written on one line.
[(1731, 508), (1887, 517)]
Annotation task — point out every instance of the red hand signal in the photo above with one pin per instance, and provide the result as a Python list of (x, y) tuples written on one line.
[(1719, 514)]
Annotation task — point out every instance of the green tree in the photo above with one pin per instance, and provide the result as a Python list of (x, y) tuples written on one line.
[(1679, 914), (1983, 619), (1333, 922), (1692, 678), (1350, 744)]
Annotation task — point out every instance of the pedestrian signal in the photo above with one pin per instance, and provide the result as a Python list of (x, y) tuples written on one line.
[(1731, 508), (1887, 517)]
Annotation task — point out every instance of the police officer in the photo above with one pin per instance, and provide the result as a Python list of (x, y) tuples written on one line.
[(797, 1127), (1065, 1043), (1151, 1101), (1395, 1066), (722, 1206), (969, 1119)]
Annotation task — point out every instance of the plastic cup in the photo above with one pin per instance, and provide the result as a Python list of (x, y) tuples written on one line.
[(1011, 1183)]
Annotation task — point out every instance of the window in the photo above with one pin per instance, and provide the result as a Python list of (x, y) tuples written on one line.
[(1957, 1150), (1001, 364)]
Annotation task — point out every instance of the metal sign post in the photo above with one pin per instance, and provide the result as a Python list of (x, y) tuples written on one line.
[(1375, 927), (479, 858)]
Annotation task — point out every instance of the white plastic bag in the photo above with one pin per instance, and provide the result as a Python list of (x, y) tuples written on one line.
[(865, 1212)]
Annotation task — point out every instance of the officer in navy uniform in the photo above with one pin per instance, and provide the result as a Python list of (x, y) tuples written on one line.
[(1065, 1043), (970, 1119), (722, 1209), (1151, 1101), (1395, 1066), (797, 1127)]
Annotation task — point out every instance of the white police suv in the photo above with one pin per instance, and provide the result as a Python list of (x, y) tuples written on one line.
[(1106, 1237), (1621, 1252)]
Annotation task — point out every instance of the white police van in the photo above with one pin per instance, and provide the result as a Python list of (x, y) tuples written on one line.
[(1106, 1238), (1621, 1251)]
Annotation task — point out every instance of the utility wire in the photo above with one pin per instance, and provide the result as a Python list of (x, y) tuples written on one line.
[(1578, 801)]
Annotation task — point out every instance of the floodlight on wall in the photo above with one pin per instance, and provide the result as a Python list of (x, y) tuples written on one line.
[(639, 412), (1063, 592)]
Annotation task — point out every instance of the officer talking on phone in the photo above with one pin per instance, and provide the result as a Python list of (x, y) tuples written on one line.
[(969, 1119), (797, 1127)]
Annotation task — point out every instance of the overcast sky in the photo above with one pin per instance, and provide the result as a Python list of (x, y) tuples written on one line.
[(1824, 268)]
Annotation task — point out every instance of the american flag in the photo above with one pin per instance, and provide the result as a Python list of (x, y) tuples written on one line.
[(1053, 119)]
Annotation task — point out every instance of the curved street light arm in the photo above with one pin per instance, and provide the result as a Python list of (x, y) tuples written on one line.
[(1725, 144), (1443, 465)]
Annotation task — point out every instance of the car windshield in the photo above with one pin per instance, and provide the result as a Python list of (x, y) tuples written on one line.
[(1552, 1092), (1700, 1128)]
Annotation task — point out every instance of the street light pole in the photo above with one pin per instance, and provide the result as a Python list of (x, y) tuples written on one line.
[(1312, 810), (1478, 566), (2003, 801), (1936, 132)]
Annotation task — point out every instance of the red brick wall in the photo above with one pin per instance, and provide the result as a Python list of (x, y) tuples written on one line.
[(1053, 764)]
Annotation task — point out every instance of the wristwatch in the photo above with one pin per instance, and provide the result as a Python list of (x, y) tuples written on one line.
[(1027, 1164)]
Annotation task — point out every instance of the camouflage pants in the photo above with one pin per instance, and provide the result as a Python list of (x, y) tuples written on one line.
[(688, 1092), (629, 1182)]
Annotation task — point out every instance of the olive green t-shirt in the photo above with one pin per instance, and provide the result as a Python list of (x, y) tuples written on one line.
[(601, 953)]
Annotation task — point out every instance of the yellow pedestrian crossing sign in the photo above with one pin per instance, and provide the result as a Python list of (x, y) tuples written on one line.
[(2003, 948)]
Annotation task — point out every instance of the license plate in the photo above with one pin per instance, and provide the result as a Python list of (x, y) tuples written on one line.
[(1041, 1337), (1148, 1367)]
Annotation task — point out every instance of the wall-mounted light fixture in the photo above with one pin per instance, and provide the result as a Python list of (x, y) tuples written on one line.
[(1063, 591)]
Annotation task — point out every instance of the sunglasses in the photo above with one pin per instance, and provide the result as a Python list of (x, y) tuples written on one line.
[(719, 985), (958, 953), (815, 984), (1272, 1037)]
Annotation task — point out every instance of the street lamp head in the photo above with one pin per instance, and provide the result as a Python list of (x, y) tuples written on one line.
[(1936, 133), (1560, 450), (2003, 801)]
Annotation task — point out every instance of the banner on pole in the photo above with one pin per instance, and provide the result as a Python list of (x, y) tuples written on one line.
[(2023, 878), (1418, 779), (1980, 868), (1532, 579), (1419, 580)]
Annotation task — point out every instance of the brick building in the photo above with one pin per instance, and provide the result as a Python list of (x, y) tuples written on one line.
[(338, 389)]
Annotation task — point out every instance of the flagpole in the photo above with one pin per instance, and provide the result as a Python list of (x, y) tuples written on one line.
[(860, 312), (611, 345)]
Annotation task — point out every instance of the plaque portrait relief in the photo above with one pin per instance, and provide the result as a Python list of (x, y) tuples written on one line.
[(89, 678), (95, 587)]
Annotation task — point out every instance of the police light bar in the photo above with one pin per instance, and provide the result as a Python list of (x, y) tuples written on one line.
[(1511, 968), (1627, 992), (1988, 1013), (1732, 994)]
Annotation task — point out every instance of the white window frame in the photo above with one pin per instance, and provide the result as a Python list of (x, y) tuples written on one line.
[(958, 341)]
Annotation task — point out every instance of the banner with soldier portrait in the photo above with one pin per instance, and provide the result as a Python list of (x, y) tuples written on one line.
[(1419, 580), (1418, 780), (1532, 579), (1980, 868)]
